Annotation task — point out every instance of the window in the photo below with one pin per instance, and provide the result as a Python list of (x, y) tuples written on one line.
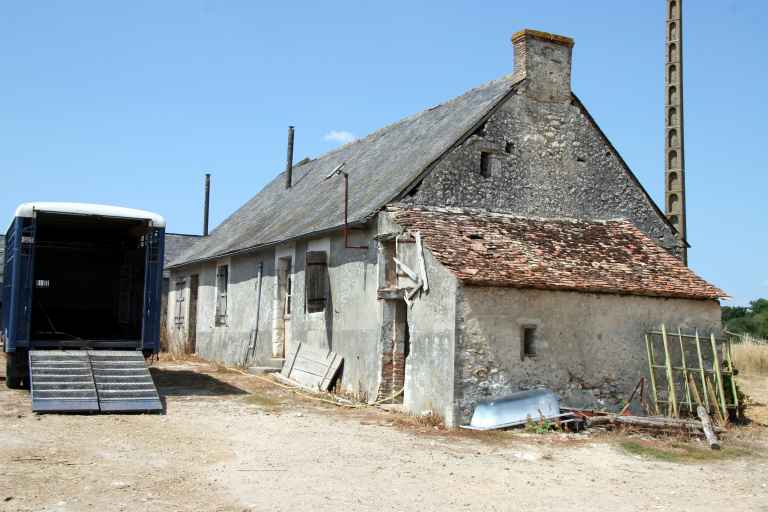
[(528, 345), (485, 164), (509, 147), (178, 317), (316, 281), (222, 284)]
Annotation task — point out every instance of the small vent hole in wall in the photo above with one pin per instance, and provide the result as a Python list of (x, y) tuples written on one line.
[(528, 345), (485, 164), (509, 147), (475, 236)]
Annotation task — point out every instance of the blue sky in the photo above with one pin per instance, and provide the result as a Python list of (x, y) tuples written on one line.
[(131, 102)]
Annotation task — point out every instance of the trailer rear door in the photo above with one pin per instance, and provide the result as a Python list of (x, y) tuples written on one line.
[(17, 288)]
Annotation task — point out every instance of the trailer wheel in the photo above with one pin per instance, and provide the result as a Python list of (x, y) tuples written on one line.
[(16, 371)]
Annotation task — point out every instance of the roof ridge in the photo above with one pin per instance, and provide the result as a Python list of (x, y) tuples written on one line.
[(511, 77), (381, 164)]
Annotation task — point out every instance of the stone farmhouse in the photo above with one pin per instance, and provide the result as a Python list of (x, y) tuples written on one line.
[(493, 243)]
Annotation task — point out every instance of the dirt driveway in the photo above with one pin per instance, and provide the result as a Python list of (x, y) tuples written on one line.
[(232, 442)]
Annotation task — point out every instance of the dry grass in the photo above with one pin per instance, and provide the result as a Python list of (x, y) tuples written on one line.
[(751, 357), (676, 451)]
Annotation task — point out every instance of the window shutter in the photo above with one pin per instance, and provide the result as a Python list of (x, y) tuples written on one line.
[(222, 277), (317, 281), (180, 286)]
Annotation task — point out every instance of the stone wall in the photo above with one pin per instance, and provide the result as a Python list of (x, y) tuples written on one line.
[(544, 159), (590, 348)]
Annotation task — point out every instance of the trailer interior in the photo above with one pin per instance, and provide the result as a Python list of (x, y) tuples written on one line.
[(88, 281)]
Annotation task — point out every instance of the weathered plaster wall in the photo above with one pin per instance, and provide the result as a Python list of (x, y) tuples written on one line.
[(590, 348), (228, 343), (350, 324), (547, 159)]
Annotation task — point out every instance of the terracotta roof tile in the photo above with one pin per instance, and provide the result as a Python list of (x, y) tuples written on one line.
[(483, 248)]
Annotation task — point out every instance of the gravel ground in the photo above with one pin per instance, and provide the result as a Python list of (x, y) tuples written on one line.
[(231, 442)]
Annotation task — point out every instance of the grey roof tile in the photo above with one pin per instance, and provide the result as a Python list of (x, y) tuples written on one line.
[(380, 167), (176, 244)]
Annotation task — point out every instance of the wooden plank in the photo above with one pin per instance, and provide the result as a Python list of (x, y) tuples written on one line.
[(407, 270), (333, 368), (729, 359), (290, 359), (312, 354), (686, 386), (713, 401), (651, 368), (702, 371), (309, 366), (313, 368), (422, 263), (307, 380), (719, 377), (706, 426), (694, 390), (670, 378)]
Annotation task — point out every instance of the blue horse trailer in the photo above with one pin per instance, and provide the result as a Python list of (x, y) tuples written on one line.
[(81, 305)]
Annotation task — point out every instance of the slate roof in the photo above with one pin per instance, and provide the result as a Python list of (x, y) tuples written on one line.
[(380, 167), (176, 244), (613, 256)]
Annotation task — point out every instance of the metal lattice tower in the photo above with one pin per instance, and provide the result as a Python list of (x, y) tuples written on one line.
[(674, 176)]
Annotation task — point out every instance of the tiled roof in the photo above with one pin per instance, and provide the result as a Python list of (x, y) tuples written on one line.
[(613, 256)]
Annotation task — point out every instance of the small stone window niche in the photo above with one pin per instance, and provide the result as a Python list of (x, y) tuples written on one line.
[(527, 342), (485, 164)]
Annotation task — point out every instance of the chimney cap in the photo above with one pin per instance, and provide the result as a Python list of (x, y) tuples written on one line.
[(546, 36)]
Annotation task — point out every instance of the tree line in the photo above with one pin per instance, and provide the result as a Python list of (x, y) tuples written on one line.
[(752, 319)]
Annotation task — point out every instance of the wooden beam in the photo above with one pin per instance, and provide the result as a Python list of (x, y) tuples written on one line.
[(729, 359), (719, 377), (685, 371), (652, 371), (706, 426), (670, 378), (422, 263), (701, 369)]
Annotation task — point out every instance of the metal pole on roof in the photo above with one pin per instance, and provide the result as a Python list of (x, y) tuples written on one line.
[(207, 204), (289, 160)]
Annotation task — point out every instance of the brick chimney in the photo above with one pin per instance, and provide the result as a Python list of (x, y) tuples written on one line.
[(544, 59)]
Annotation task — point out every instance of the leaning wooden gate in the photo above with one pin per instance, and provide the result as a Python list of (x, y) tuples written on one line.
[(686, 369)]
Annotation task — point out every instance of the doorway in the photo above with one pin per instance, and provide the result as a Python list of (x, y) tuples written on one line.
[(283, 306), (396, 347)]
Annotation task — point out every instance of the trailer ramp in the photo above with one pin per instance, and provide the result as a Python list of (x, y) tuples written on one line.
[(62, 380), (91, 380)]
